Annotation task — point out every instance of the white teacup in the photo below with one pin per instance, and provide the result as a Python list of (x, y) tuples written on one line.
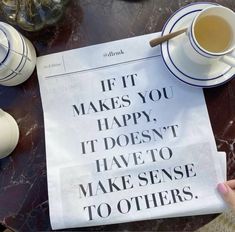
[(9, 134), (212, 36), (17, 56)]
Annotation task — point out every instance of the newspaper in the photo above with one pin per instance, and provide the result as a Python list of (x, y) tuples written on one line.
[(125, 140)]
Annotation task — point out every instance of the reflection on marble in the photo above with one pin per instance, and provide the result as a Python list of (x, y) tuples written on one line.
[(23, 183)]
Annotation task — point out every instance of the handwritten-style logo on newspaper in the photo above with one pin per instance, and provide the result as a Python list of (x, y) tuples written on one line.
[(114, 53)]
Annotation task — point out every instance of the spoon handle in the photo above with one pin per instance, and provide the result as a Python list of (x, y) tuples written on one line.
[(157, 41)]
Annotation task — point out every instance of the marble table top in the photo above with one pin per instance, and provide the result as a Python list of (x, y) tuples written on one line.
[(23, 179)]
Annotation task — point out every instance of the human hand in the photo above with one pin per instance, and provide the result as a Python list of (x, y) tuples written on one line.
[(227, 191)]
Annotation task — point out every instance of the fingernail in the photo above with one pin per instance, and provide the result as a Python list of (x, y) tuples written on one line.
[(222, 188)]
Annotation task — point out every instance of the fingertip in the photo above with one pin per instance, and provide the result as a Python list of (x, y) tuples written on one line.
[(230, 183), (222, 188)]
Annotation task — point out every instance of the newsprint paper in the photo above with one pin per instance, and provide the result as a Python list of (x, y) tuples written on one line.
[(125, 140)]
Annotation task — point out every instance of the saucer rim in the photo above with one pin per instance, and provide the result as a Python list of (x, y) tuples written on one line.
[(192, 81)]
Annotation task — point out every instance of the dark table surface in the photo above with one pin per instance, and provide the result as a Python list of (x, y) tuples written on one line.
[(23, 181)]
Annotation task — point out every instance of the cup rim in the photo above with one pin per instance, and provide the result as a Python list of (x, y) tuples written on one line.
[(194, 37)]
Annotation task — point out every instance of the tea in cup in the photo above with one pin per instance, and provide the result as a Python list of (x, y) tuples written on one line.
[(212, 36)]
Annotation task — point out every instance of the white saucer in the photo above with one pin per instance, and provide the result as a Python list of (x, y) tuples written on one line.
[(208, 75)]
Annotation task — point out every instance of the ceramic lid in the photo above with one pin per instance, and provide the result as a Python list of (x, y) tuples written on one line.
[(4, 46)]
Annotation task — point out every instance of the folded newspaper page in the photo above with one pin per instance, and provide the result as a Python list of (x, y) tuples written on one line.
[(125, 140)]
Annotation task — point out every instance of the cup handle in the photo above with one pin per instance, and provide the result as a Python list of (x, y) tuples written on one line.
[(229, 59)]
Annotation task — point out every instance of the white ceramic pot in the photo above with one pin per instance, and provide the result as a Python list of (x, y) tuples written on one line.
[(9, 134), (17, 56)]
